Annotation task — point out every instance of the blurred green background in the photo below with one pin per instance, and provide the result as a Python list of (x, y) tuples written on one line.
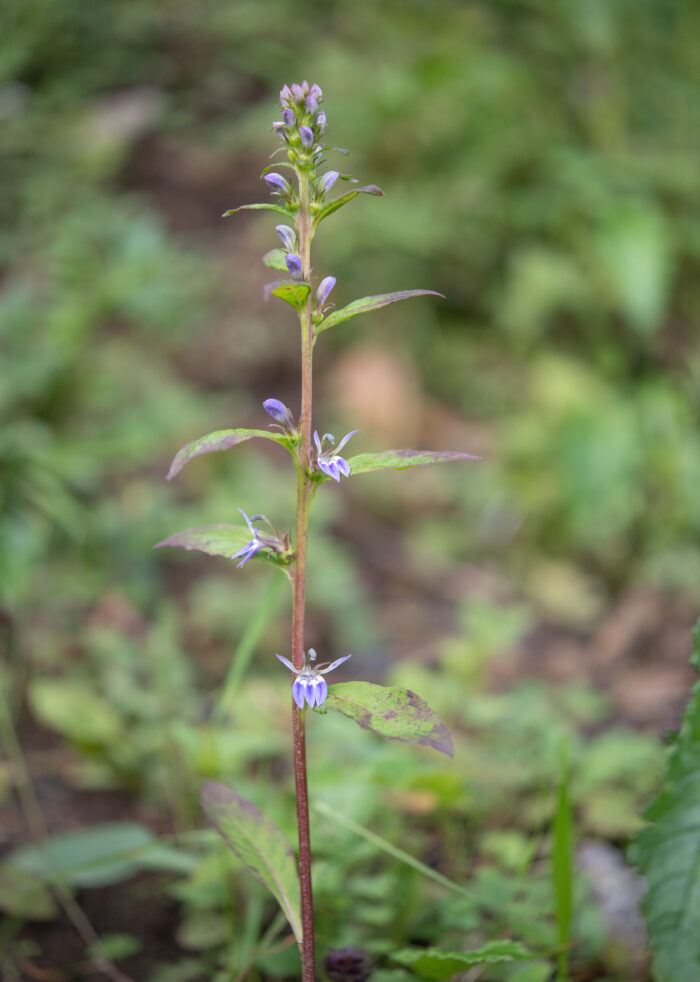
[(540, 168)]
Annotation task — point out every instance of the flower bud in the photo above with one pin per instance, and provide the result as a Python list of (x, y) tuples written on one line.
[(297, 93), (293, 263), (311, 104), (287, 236), (316, 92), (289, 117), (324, 288), (321, 121), (276, 182), (285, 94), (278, 126), (278, 411), (307, 136), (328, 180)]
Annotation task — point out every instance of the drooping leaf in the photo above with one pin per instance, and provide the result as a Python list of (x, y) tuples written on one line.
[(91, 857), (258, 843), (365, 304), (667, 852), (366, 463), (263, 206), (391, 712), (215, 540), (275, 259), (344, 198), (291, 291), (434, 963), (213, 442)]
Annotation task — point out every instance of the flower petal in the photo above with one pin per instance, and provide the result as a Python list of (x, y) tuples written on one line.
[(333, 664), (287, 663), (298, 692)]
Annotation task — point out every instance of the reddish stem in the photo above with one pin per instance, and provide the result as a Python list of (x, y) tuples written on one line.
[(304, 494)]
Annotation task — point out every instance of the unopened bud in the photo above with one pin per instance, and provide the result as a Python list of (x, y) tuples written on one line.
[(307, 136), (293, 263)]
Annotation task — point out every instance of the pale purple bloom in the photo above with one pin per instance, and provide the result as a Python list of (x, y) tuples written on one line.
[(307, 136), (297, 92), (321, 121), (279, 411), (311, 104), (287, 236), (276, 182), (278, 126), (289, 117), (255, 545), (285, 94), (324, 288), (293, 263), (330, 462), (316, 92), (309, 686), (328, 180)]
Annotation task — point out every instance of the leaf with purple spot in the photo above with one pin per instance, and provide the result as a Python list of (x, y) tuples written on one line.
[(258, 843), (213, 442), (399, 460), (365, 304), (391, 712)]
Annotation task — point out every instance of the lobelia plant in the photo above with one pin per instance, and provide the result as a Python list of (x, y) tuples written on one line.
[(301, 196)]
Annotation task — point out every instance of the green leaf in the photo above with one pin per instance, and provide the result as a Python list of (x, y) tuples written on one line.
[(275, 259), (291, 291), (75, 709), (365, 304), (434, 963), (215, 540), (257, 842), (265, 206), (400, 460), (344, 198), (391, 712), (563, 867), (25, 896), (667, 852), (96, 856), (213, 442)]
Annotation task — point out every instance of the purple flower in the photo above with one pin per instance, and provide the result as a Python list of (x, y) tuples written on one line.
[(278, 126), (330, 462), (324, 288), (293, 263), (289, 117), (255, 545), (288, 237), (285, 94), (321, 122), (276, 182), (307, 136), (327, 181), (316, 92), (280, 412), (297, 93), (309, 686), (311, 104)]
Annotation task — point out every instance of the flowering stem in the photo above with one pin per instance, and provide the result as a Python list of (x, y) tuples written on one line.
[(304, 495)]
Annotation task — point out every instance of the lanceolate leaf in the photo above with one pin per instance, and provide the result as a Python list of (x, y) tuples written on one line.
[(215, 540), (291, 291), (434, 963), (391, 712), (343, 200), (668, 853), (275, 259), (399, 460), (257, 842), (263, 206), (218, 440), (365, 304)]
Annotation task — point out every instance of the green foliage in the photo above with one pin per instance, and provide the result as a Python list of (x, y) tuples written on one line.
[(666, 851), (366, 463), (216, 441), (433, 963)]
